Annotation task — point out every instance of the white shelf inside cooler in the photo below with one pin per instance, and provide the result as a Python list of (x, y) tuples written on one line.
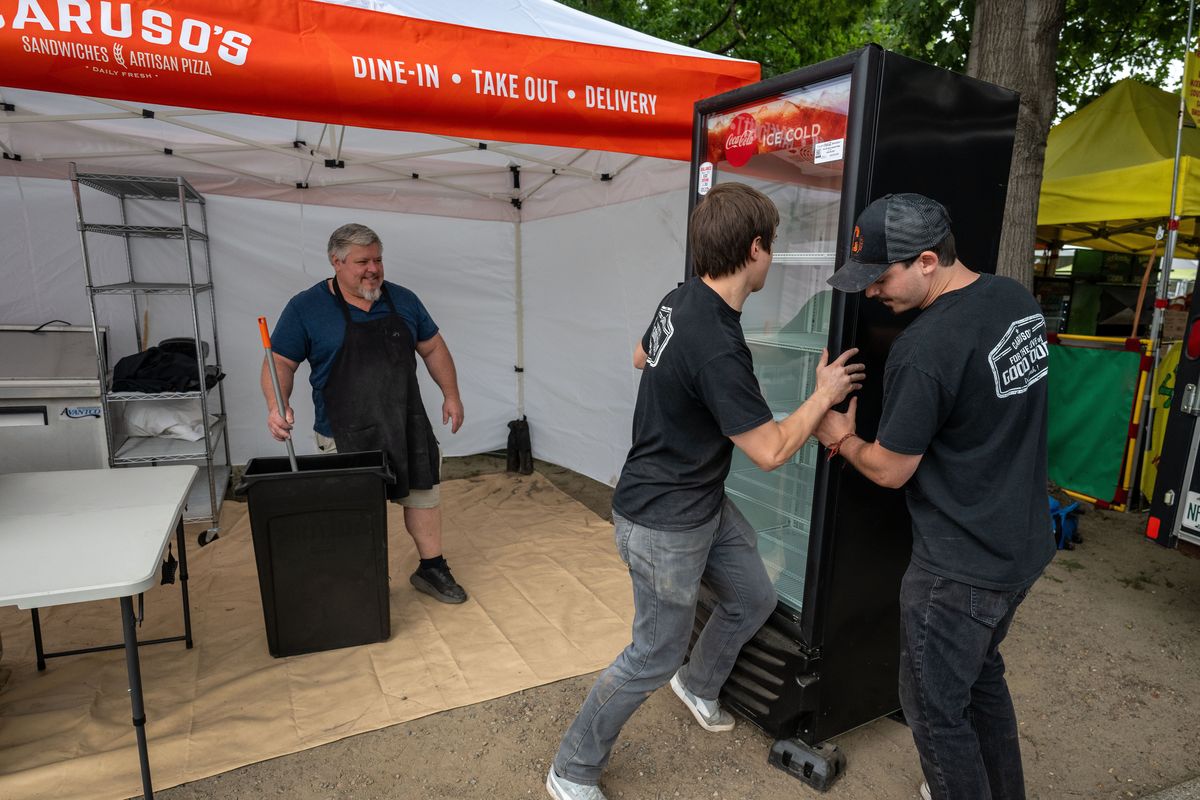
[(806, 455), (792, 541), (782, 534), (781, 517), (784, 552), (785, 482), (806, 342), (803, 259)]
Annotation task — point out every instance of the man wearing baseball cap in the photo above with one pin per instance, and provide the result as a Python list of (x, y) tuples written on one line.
[(963, 429)]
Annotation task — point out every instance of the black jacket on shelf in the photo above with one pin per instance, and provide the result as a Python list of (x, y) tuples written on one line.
[(158, 369)]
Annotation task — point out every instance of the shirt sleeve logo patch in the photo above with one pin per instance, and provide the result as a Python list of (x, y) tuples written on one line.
[(1022, 357), (660, 335)]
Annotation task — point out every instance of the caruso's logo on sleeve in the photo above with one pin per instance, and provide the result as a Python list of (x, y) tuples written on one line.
[(115, 20), (1022, 357), (660, 335)]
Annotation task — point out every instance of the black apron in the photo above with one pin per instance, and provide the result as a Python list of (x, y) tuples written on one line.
[(373, 400)]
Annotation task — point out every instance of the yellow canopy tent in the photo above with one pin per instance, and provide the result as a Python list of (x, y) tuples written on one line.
[(1106, 184)]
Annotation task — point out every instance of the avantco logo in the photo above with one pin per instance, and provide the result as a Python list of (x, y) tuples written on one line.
[(154, 26)]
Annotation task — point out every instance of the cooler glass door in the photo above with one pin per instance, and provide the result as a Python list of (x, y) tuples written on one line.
[(790, 147)]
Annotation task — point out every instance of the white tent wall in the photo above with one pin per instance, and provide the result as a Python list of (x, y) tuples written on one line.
[(40, 274), (592, 280), (263, 252)]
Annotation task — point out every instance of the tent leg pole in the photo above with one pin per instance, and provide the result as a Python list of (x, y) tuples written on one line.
[(519, 292), (1164, 278)]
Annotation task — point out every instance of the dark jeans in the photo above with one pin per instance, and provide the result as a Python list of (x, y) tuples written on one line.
[(666, 568), (952, 686)]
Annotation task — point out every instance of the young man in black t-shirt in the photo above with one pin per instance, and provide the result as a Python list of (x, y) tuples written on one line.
[(698, 398), (963, 429)]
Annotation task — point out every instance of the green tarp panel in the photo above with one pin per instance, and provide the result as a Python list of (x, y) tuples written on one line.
[(1092, 392)]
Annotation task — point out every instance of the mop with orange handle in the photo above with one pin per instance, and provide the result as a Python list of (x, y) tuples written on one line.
[(266, 340)]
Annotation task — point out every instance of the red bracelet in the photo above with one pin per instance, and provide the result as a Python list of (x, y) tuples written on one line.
[(836, 447)]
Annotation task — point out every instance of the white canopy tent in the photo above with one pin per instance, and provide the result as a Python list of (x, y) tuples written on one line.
[(543, 257)]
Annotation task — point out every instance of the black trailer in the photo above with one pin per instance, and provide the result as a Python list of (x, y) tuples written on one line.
[(1175, 506)]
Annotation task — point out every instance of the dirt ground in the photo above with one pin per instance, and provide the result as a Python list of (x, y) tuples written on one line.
[(1103, 662)]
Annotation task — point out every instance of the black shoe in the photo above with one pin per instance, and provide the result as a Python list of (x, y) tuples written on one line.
[(437, 582)]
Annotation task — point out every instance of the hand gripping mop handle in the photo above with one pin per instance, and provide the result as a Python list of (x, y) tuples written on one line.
[(266, 340)]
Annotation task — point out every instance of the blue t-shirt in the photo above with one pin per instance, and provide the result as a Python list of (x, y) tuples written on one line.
[(312, 327)]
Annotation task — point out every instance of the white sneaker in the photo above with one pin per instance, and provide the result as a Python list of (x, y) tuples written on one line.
[(563, 789), (708, 713), (925, 795)]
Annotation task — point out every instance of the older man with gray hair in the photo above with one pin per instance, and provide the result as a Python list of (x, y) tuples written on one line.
[(360, 335)]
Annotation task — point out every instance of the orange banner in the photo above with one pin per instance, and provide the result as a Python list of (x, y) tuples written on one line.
[(328, 63)]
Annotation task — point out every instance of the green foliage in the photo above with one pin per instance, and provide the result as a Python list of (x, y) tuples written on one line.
[(934, 31), (781, 35), (1102, 40)]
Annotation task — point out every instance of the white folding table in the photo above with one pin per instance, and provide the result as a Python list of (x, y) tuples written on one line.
[(77, 535)]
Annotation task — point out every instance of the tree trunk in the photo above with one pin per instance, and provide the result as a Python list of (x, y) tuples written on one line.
[(1014, 43)]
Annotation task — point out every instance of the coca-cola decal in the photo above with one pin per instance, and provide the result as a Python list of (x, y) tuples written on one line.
[(802, 127), (742, 141)]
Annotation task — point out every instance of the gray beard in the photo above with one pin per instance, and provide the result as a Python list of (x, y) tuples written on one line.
[(370, 295)]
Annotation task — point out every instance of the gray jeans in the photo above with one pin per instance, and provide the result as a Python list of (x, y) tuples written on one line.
[(666, 568)]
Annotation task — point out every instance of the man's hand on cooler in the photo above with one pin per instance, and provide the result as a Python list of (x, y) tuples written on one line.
[(838, 379), (835, 426)]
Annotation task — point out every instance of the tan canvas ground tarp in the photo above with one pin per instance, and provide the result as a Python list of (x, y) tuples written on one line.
[(549, 600)]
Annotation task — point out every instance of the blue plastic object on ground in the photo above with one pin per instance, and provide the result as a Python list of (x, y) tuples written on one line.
[(1065, 522)]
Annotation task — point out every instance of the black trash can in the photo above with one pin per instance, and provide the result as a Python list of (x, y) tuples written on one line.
[(320, 542)]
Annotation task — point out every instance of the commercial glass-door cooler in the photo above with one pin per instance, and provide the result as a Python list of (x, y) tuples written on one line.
[(822, 143)]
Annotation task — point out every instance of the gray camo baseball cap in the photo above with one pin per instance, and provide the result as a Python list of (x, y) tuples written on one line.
[(896, 227)]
